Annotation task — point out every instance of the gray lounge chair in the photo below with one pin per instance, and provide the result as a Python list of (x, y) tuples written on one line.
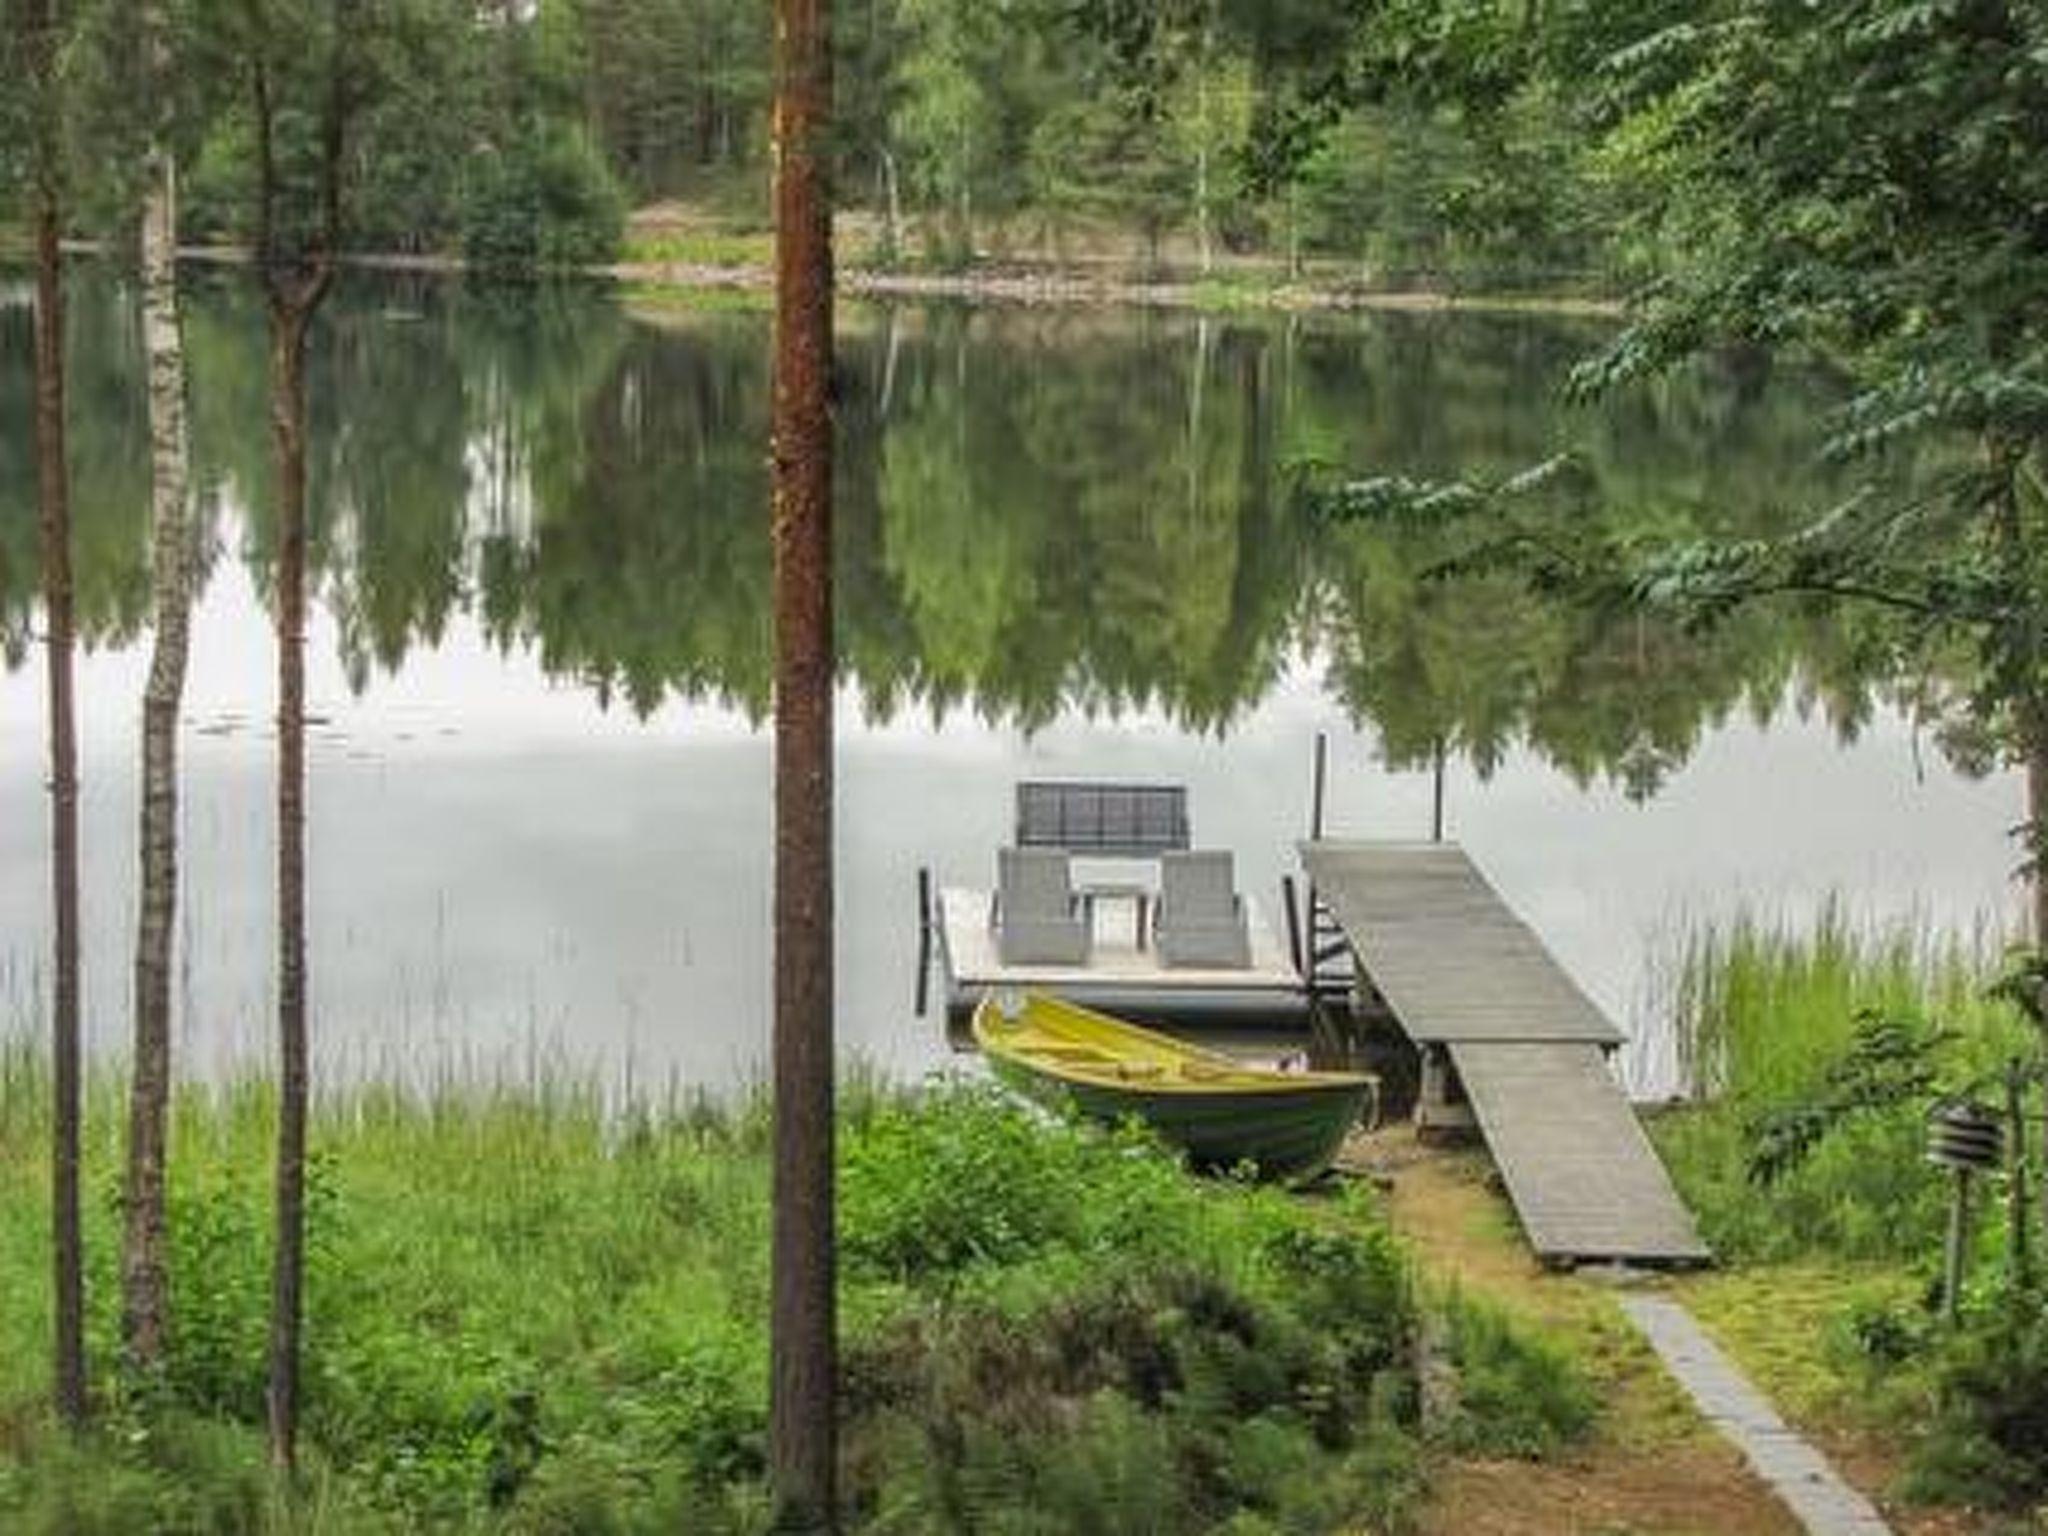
[(1039, 920), (1201, 917)]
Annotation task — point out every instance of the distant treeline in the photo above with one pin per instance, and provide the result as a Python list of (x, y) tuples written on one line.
[(1184, 132)]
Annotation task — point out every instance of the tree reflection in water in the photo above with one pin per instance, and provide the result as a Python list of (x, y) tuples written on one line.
[(1038, 511)]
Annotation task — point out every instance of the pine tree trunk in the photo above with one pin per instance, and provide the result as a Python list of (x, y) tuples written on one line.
[(296, 275), (54, 498), (144, 1282), (803, 1368), (288, 325), (1203, 233), (2036, 750), (2034, 746)]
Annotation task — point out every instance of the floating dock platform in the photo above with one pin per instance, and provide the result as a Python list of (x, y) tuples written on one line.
[(1121, 973), (1473, 987)]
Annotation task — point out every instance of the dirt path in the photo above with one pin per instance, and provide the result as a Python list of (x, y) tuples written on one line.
[(1653, 1467)]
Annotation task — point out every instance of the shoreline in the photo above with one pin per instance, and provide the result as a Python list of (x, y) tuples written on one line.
[(1072, 288), (1017, 285)]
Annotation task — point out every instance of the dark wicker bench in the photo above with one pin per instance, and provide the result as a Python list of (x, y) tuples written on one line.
[(1133, 821)]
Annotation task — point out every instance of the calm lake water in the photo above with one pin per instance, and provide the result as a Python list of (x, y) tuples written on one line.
[(1068, 545)]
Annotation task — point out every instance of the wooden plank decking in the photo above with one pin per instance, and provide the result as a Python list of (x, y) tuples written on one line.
[(1116, 961), (1460, 971), (1450, 958), (1584, 1179)]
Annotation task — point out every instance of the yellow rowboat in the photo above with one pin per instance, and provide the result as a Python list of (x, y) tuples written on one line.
[(1220, 1111)]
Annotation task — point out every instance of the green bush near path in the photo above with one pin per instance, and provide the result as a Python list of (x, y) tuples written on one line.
[(528, 1313)]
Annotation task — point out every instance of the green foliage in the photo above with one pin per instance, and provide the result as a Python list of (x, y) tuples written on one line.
[(1988, 1443), (545, 200), (188, 1477), (961, 1179), (1844, 178), (528, 1313), (1824, 1056), (1816, 1057), (1517, 1393), (1146, 1398), (1889, 1066)]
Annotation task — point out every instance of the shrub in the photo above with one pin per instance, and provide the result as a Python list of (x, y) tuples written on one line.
[(547, 200), (1518, 1394), (1989, 1439), (951, 1179)]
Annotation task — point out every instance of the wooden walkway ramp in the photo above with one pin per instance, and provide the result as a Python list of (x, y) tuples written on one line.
[(1463, 974)]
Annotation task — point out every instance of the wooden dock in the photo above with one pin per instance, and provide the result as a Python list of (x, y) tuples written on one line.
[(1464, 976), (1117, 961)]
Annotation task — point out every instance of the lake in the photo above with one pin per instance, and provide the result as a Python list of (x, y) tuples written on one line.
[(1069, 543)]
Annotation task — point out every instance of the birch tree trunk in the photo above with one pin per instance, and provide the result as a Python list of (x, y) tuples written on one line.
[(53, 488), (895, 206), (803, 1369), (145, 1306)]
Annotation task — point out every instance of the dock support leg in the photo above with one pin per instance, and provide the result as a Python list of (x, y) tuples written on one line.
[(924, 938), (1441, 1109)]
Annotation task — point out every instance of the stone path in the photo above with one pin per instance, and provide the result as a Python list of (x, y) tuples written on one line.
[(1797, 1473)]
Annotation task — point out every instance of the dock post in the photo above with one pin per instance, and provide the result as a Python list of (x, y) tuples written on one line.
[(924, 937), (1287, 902), (1317, 782), (1436, 809)]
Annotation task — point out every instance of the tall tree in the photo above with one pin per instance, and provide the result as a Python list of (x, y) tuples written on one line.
[(304, 87), (144, 1286), (803, 1439), (40, 43)]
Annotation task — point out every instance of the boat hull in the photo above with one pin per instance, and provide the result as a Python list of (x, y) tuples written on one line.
[(1279, 1125)]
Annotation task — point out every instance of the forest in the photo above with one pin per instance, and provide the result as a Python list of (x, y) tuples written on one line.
[(1428, 146)]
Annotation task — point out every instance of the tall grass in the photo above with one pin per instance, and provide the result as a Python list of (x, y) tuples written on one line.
[(535, 1309), (1764, 1014)]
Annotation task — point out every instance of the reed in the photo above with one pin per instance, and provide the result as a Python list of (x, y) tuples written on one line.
[(1764, 1013)]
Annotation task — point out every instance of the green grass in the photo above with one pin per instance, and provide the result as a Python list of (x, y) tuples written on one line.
[(529, 1313), (1828, 1297), (1765, 1016), (700, 247)]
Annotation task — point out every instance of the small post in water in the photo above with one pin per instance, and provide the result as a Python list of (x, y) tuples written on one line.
[(924, 936)]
